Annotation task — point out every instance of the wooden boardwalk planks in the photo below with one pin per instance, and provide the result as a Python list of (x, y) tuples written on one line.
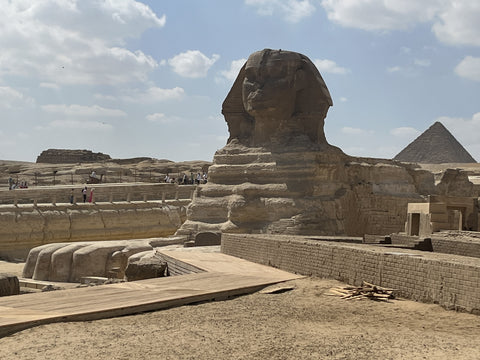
[(224, 276)]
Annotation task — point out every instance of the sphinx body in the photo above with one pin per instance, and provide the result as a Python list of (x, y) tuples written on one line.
[(277, 172)]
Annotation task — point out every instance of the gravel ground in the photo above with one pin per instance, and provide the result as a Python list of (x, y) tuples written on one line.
[(304, 323)]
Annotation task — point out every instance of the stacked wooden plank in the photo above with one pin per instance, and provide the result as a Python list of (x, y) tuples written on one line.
[(366, 291)]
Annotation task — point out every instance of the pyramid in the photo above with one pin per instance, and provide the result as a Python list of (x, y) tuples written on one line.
[(435, 146)]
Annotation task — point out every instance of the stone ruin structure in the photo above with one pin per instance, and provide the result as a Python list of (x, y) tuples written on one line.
[(454, 206), (63, 156), (277, 173), (442, 213)]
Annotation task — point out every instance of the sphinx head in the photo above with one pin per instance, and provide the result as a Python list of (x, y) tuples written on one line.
[(276, 96)]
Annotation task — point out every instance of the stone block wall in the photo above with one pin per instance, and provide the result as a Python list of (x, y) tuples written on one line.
[(26, 226), (102, 193), (450, 281)]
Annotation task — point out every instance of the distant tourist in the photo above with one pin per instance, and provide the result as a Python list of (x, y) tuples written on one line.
[(90, 199), (72, 197), (84, 193)]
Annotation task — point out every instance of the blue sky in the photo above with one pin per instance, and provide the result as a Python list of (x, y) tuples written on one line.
[(131, 78)]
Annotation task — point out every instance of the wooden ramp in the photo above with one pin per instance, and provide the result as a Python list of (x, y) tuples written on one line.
[(224, 276)]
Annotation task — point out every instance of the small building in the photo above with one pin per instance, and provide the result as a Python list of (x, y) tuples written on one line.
[(442, 213)]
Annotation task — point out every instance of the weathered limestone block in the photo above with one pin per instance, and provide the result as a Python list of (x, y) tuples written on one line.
[(118, 261), (145, 265), (9, 285), (208, 239), (57, 224), (87, 224)]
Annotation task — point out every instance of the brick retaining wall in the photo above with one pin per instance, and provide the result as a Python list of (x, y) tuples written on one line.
[(448, 280), (456, 246)]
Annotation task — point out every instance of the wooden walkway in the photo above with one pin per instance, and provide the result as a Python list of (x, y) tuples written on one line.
[(224, 276)]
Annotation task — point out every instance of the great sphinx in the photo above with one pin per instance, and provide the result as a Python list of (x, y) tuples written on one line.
[(278, 98), (278, 174)]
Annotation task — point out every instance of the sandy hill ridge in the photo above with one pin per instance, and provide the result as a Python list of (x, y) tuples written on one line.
[(435, 146)]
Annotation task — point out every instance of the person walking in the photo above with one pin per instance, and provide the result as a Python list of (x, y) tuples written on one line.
[(90, 199), (84, 193)]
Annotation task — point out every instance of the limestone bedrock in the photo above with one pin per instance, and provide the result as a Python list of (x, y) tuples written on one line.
[(277, 172)]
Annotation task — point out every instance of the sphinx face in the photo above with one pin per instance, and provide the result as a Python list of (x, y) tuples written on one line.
[(269, 84)]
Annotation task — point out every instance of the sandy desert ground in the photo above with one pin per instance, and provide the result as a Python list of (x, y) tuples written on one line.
[(304, 323)]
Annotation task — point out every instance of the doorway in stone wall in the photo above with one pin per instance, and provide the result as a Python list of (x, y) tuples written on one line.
[(456, 216), (415, 224)]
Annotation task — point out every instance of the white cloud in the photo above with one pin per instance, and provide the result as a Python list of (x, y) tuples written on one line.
[(159, 118), (291, 10), (405, 132), (83, 111), (469, 68), (356, 131), (47, 85), (104, 97), (422, 62), (75, 41), (192, 64), (343, 99), (78, 124), (458, 23), (393, 69), (380, 14), (156, 117), (453, 22), (154, 94), (11, 98), (235, 66), (329, 66)]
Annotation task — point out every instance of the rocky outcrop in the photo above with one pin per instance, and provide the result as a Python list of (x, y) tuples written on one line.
[(135, 170), (278, 174), (455, 182), (64, 156), (9, 285), (145, 265)]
